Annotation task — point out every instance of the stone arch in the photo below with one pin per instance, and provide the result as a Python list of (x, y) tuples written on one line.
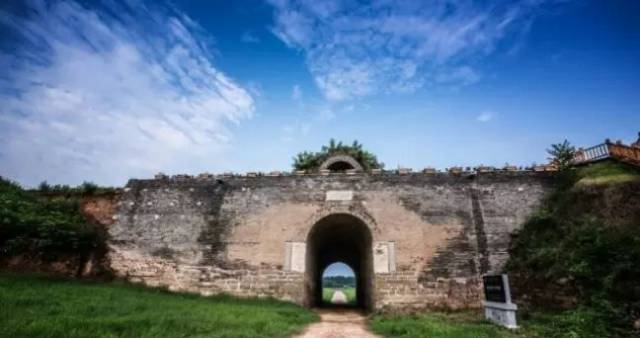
[(340, 163), (355, 210), (340, 237)]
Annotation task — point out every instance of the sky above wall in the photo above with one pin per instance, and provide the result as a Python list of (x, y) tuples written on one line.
[(104, 91)]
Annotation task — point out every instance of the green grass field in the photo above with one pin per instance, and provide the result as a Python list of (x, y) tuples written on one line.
[(33, 306), (438, 325), (578, 323), (36, 306), (350, 292)]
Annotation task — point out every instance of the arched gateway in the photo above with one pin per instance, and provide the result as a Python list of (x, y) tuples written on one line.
[(339, 238)]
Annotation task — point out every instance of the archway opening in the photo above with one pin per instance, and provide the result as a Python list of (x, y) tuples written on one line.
[(339, 285), (340, 166), (340, 238), (340, 163)]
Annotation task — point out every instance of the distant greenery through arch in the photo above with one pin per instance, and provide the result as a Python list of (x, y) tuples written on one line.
[(339, 277), (311, 161)]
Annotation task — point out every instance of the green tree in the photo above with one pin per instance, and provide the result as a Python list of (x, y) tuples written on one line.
[(44, 186), (312, 160), (89, 188), (562, 154)]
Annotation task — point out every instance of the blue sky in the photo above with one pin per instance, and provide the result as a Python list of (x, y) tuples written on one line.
[(338, 269), (106, 91)]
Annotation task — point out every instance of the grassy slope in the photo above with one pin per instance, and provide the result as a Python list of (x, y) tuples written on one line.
[(588, 235), (606, 173), (32, 306)]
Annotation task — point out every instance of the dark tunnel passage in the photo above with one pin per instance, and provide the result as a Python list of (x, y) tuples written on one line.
[(340, 238), (340, 166)]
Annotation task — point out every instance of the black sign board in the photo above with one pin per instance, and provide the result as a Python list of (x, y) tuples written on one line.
[(494, 289)]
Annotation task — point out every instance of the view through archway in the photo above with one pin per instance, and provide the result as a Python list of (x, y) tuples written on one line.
[(339, 285), (339, 238)]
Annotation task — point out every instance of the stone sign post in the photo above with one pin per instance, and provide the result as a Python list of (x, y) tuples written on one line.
[(498, 307)]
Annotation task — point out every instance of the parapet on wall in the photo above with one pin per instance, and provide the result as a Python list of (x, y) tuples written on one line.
[(433, 234)]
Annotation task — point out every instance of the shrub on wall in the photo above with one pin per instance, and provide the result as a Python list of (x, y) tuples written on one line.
[(312, 160)]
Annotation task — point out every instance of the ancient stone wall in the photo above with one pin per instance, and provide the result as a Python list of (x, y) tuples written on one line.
[(433, 235)]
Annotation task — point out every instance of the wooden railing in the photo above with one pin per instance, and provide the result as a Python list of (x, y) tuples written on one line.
[(606, 150), (625, 153), (599, 152)]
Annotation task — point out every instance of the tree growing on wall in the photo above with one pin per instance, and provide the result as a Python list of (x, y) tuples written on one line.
[(562, 154), (312, 160)]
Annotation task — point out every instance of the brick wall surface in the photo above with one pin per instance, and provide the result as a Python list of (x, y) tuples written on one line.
[(228, 234)]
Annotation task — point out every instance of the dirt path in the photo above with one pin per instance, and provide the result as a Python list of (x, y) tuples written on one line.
[(339, 323), (338, 298)]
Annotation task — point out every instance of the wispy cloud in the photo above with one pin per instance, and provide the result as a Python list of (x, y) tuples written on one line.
[(459, 76), (249, 37), (485, 116), (296, 93), (355, 49), (86, 95)]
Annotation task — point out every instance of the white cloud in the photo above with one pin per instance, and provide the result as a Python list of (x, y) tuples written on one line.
[(463, 75), (326, 114), (296, 93), (485, 116), (355, 49), (249, 37), (87, 96)]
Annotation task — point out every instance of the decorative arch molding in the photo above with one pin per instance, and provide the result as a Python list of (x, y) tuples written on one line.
[(357, 211), (341, 161)]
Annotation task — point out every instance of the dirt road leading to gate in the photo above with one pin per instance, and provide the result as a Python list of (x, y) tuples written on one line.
[(338, 298), (339, 323)]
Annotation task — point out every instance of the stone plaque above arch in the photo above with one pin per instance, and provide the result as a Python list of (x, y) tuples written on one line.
[(340, 163)]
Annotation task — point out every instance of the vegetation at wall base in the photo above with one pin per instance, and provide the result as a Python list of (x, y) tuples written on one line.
[(311, 161), (36, 306), (585, 242)]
